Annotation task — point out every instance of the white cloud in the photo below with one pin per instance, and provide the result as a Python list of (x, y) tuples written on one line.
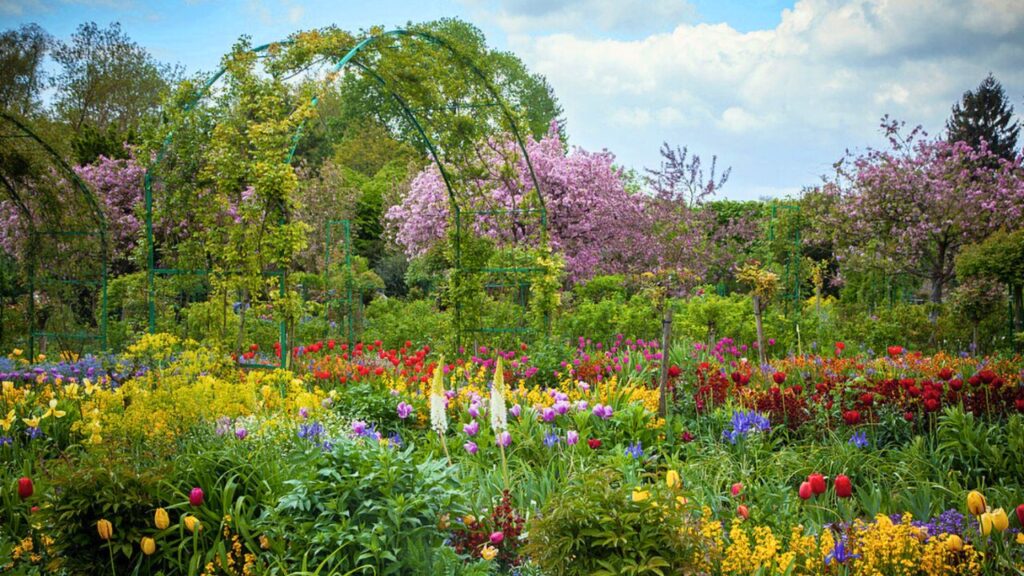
[(19, 7), (820, 79), (601, 16)]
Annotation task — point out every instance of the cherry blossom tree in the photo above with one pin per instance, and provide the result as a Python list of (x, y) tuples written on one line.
[(910, 209), (592, 219)]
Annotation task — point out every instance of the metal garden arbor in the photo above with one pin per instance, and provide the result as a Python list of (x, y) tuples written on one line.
[(66, 256), (350, 61)]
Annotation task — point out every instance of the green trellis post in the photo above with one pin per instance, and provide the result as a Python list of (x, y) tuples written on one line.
[(347, 301), (100, 231)]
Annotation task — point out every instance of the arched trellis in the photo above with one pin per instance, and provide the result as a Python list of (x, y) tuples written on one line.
[(410, 116), (37, 234)]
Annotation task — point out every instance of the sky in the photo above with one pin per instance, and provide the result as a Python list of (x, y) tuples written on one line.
[(777, 90)]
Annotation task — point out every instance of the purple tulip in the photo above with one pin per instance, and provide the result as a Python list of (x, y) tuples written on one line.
[(515, 410), (548, 414), (404, 410), (471, 447), (472, 428), (572, 437), (504, 439)]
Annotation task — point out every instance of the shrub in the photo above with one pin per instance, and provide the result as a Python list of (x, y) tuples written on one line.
[(598, 525), (363, 508)]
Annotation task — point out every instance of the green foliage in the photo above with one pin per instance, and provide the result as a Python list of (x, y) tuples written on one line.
[(101, 486), (608, 287), (602, 320), (393, 321), (979, 451), (363, 509), (594, 527)]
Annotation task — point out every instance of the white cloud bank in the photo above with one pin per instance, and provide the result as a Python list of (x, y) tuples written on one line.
[(805, 90)]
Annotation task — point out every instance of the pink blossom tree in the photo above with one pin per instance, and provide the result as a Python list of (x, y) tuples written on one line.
[(118, 186), (592, 219), (910, 209)]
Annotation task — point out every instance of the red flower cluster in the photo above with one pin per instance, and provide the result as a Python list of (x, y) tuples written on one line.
[(501, 530)]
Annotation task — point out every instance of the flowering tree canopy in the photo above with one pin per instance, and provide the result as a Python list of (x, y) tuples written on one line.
[(592, 219), (118, 186), (910, 209)]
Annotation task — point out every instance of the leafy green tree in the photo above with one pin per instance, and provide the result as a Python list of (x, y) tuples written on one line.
[(107, 80), (1000, 256), (985, 114), (22, 76), (426, 76)]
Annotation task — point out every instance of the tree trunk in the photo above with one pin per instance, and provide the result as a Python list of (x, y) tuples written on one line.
[(760, 330)]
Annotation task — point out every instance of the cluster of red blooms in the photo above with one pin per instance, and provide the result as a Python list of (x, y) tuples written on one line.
[(501, 530), (816, 484), (860, 399)]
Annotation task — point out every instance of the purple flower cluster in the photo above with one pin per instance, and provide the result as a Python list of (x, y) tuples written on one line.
[(744, 423)]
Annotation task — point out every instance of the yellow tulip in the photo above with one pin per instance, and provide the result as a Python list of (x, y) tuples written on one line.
[(640, 495), (955, 543), (488, 552), (148, 545), (160, 519), (999, 520), (105, 529), (1020, 538), (672, 479), (16, 352), (193, 524), (975, 503), (469, 519), (986, 523)]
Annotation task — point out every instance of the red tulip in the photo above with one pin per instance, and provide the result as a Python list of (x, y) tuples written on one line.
[(908, 416), (843, 487), (742, 511), (737, 488), (932, 405), (674, 371), (817, 482), (852, 417), (805, 491), (945, 373), (1020, 514), (895, 350), (779, 377), (594, 443), (195, 497), (25, 487)]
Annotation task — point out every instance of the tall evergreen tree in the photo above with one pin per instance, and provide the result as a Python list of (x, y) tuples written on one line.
[(985, 113)]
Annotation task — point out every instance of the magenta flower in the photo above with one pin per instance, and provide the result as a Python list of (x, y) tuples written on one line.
[(572, 437), (471, 447), (404, 410), (548, 414), (472, 428), (504, 439), (195, 497)]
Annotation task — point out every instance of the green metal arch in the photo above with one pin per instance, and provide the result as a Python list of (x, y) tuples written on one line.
[(409, 114), (97, 215)]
